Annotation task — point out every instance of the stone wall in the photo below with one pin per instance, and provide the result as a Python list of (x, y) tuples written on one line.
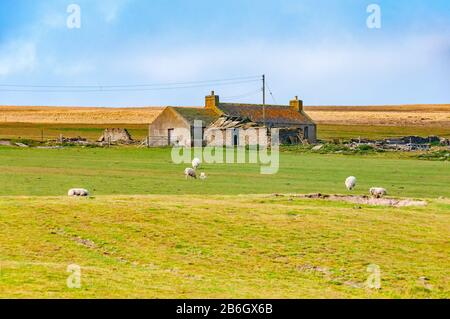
[(296, 135), (169, 120), (115, 135), (225, 137)]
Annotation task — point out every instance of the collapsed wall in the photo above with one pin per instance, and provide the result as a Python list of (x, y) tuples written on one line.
[(115, 135)]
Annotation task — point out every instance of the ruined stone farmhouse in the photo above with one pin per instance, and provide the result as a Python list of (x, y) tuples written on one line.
[(232, 124)]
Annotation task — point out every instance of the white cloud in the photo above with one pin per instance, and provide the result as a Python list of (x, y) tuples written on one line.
[(399, 70), (53, 19), (16, 57), (71, 69), (111, 9), (303, 60)]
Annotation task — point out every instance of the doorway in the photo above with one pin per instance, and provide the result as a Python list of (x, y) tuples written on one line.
[(170, 137), (235, 137), (306, 133)]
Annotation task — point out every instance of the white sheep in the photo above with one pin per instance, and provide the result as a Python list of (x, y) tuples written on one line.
[(190, 172), (196, 163), (78, 192), (350, 183), (378, 192), (203, 176)]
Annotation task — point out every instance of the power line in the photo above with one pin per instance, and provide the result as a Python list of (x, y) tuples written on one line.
[(271, 94), (99, 86), (75, 89)]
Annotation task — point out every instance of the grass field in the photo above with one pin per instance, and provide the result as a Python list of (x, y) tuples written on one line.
[(346, 132), (134, 171), (39, 132), (31, 131), (147, 232), (220, 247)]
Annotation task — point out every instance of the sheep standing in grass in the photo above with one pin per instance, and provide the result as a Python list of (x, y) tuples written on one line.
[(350, 183), (203, 176), (78, 192), (378, 192), (190, 173), (196, 163)]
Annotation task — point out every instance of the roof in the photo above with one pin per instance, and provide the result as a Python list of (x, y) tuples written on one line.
[(275, 114), (225, 122), (197, 113)]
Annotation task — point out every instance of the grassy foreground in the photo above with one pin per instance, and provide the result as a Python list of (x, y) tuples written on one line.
[(225, 237), (254, 246), (132, 171)]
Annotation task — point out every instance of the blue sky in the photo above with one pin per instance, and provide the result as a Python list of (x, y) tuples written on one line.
[(320, 50)]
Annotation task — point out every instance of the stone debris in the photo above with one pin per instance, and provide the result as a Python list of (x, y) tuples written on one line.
[(317, 147), (360, 200), (115, 135), (21, 145), (406, 143), (367, 200), (74, 140)]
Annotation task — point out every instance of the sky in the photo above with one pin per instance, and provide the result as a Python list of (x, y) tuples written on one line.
[(320, 50)]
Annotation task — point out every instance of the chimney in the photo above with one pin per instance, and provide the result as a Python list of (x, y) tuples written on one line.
[(212, 101), (296, 105)]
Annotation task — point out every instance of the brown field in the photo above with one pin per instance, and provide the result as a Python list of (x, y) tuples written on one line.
[(78, 115), (403, 115), (343, 122)]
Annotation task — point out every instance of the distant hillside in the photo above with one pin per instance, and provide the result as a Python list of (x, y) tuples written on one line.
[(78, 115), (396, 115), (402, 115)]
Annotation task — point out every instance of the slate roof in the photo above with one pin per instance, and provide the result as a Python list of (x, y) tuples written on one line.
[(225, 122), (197, 113), (276, 115)]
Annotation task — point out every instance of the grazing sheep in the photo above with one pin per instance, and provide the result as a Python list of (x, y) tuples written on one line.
[(196, 163), (78, 192), (378, 192), (350, 183), (190, 172), (203, 176)]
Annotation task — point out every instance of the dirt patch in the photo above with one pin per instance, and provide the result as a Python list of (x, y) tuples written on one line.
[(365, 200), (85, 242)]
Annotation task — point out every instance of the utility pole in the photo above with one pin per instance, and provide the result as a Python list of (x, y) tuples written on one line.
[(264, 97)]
